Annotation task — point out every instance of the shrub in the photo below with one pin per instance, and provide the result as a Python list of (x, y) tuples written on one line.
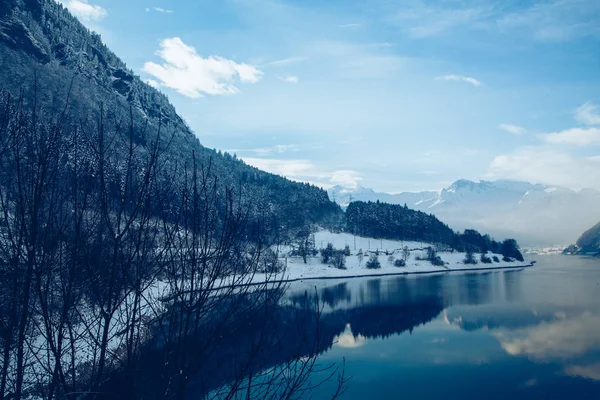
[(399, 263), (338, 259), (431, 254), (373, 263), (507, 259), (327, 253), (269, 262), (437, 261), (496, 259), (391, 259), (510, 249), (347, 251), (485, 259), (469, 258)]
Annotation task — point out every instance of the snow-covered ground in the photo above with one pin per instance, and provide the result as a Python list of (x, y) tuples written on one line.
[(295, 269), (544, 251)]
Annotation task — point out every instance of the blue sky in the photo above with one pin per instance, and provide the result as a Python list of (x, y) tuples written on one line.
[(393, 95)]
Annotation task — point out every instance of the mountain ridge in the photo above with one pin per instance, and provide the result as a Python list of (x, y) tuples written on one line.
[(587, 244), (48, 57), (533, 213)]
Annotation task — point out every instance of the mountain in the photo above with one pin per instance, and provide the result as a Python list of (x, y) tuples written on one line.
[(535, 214), (395, 222), (588, 243), (50, 58)]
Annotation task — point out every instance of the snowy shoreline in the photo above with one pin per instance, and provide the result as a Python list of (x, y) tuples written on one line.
[(296, 270), (375, 273), (433, 271)]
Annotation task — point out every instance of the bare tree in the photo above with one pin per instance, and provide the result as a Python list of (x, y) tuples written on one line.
[(106, 246)]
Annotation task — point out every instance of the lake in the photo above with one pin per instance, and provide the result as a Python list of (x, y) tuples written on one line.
[(528, 333)]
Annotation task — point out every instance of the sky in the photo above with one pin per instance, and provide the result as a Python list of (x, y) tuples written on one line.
[(392, 95)]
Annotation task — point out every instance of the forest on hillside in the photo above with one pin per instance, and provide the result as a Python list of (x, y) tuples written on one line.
[(393, 221), (105, 243), (54, 61)]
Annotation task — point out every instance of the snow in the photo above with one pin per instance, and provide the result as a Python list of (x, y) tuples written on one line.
[(314, 269), (295, 271), (438, 201), (340, 240)]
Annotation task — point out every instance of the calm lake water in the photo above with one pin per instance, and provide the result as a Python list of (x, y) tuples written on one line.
[(518, 334)]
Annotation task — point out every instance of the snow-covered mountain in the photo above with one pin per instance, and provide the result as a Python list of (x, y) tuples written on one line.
[(534, 214)]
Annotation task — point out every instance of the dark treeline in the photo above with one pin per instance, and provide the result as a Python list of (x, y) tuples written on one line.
[(396, 222), (106, 243), (388, 221)]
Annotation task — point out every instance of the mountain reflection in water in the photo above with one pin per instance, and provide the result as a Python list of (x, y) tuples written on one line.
[(531, 333)]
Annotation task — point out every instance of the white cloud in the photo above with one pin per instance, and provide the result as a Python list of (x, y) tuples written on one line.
[(589, 371), (289, 79), (554, 20), (459, 78), (305, 171), (557, 340), (84, 11), (546, 165), (159, 9), (346, 178), (420, 20), (587, 114), (347, 340), (263, 151), (287, 168), (574, 136), (152, 83), (514, 129), (191, 75), (285, 62), (349, 26), (550, 20)]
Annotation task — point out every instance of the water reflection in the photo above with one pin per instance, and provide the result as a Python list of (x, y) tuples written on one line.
[(525, 328), (563, 338), (536, 331), (348, 339)]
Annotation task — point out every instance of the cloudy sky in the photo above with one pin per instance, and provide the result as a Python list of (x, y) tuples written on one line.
[(392, 95)]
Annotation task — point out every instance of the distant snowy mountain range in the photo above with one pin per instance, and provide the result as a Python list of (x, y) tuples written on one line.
[(534, 214)]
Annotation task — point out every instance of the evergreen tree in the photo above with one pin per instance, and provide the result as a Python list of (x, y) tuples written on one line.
[(373, 262)]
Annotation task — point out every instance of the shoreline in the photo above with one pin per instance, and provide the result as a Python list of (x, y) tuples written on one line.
[(437, 271), (375, 275)]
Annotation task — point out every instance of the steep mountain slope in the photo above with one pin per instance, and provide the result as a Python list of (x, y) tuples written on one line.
[(588, 243), (46, 51), (533, 213), (395, 222)]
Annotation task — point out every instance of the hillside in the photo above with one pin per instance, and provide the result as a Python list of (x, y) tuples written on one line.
[(501, 208), (360, 250), (395, 222), (588, 243), (46, 51)]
